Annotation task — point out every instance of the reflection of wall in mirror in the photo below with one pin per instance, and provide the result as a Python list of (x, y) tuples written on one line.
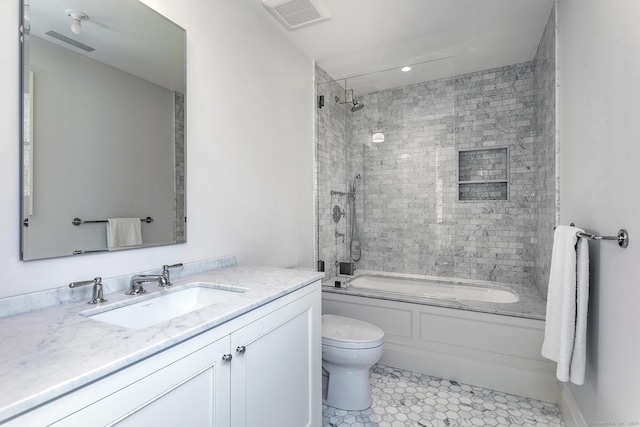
[(27, 148), (179, 203), (105, 149)]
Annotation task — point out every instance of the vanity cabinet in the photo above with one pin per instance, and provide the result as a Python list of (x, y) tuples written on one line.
[(276, 368), (260, 369)]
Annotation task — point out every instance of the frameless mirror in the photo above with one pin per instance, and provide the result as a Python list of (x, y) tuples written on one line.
[(103, 84)]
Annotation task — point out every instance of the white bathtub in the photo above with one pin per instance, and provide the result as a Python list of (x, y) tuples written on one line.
[(475, 332), (426, 287)]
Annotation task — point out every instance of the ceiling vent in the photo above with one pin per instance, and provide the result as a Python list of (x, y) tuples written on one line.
[(297, 13), (72, 42)]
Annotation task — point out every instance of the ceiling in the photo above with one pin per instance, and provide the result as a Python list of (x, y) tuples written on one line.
[(362, 37), (367, 36), (126, 34)]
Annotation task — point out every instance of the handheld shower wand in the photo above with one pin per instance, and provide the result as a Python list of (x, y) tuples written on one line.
[(354, 242)]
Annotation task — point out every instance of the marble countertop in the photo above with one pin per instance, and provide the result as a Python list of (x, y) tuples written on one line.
[(51, 351), (531, 304)]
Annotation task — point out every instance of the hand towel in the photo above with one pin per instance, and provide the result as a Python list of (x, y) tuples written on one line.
[(123, 233), (567, 300), (578, 360)]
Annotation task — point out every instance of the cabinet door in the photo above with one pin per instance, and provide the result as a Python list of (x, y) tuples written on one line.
[(276, 368), (192, 391)]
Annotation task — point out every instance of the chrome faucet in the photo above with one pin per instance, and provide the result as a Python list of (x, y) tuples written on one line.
[(136, 288), (163, 280), (97, 289)]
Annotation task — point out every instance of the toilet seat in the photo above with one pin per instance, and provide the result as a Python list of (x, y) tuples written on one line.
[(344, 332)]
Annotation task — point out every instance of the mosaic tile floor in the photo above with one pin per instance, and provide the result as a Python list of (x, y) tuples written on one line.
[(403, 398)]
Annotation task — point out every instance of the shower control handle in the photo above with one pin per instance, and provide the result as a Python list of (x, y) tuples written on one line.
[(337, 213), (227, 358), (241, 349)]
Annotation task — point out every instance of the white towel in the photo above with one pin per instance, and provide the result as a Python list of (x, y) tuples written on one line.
[(567, 301), (123, 233), (579, 358)]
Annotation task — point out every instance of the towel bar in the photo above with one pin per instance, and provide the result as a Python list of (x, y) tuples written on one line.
[(622, 237), (78, 221), (80, 251)]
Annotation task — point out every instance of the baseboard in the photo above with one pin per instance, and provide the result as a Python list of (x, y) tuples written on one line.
[(569, 408)]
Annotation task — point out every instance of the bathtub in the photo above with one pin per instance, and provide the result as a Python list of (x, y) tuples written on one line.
[(480, 333), (435, 288)]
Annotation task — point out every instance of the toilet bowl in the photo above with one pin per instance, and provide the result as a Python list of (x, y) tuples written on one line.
[(349, 348)]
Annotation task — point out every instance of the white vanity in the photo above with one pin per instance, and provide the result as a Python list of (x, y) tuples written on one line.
[(253, 360)]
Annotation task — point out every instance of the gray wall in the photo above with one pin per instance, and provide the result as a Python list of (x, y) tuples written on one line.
[(599, 87)]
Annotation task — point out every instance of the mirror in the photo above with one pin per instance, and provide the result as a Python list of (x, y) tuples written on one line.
[(103, 84)]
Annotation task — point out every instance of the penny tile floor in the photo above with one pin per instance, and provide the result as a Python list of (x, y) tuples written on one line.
[(403, 398)]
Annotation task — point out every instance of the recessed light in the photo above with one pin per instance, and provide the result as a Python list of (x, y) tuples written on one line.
[(405, 69)]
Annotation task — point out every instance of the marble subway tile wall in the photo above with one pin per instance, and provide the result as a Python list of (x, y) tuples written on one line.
[(404, 211), (544, 83), (331, 140), (494, 240), (410, 218)]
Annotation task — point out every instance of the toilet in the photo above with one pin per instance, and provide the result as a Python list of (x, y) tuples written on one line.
[(349, 348)]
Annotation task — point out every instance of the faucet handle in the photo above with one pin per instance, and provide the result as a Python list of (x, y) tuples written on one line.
[(165, 272), (97, 289), (83, 283)]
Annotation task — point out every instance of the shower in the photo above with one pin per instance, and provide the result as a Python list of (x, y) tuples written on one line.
[(357, 106), (354, 239), (347, 95), (430, 181)]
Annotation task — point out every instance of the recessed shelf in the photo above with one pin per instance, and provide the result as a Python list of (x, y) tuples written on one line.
[(483, 174), (482, 191), (488, 181)]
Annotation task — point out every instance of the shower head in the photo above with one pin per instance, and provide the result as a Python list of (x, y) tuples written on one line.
[(357, 106)]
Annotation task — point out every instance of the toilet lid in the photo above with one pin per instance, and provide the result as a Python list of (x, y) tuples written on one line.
[(344, 332)]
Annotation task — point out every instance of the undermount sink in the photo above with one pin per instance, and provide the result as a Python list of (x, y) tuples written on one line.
[(149, 310)]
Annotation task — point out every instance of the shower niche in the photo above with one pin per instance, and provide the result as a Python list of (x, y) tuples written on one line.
[(483, 174)]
